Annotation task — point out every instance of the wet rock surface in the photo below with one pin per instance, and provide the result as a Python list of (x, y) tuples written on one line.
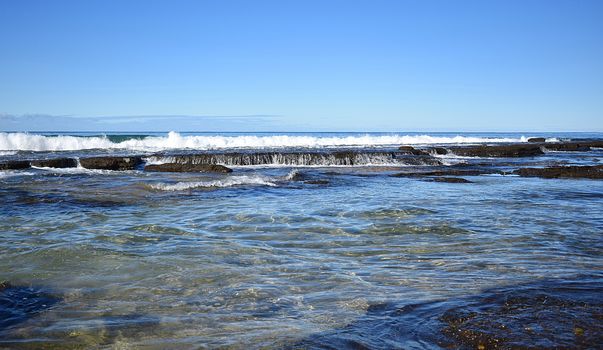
[(310, 158), (111, 163), (549, 314), (403, 156), (586, 172), (438, 150), (55, 163), (14, 165), (187, 167), (412, 150), (453, 180), (448, 172), (568, 316), (536, 139), (573, 146), (507, 151), (317, 182)]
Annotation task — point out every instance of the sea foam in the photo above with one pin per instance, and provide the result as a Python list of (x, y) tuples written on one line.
[(226, 182), (174, 140)]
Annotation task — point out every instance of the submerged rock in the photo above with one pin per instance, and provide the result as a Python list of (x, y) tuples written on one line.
[(457, 180), (586, 171), (536, 139), (187, 168), (111, 163), (554, 314), (55, 163), (513, 150), (14, 165), (448, 172), (20, 303), (317, 182)]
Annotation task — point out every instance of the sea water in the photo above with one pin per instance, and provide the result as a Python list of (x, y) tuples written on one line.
[(260, 258)]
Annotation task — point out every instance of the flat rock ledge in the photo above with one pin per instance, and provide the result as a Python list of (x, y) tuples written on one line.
[(187, 167), (585, 172), (411, 150), (505, 151), (55, 163), (111, 163)]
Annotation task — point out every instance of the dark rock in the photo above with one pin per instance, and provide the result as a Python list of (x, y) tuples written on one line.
[(187, 168), (14, 165), (412, 150), (317, 182), (418, 160), (55, 163), (513, 150), (326, 158), (536, 139), (111, 163), (587, 172), (456, 180), (344, 155), (438, 150), (20, 303), (297, 176), (572, 146), (448, 172), (551, 314)]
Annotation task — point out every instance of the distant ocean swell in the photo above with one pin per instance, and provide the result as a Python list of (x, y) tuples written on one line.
[(174, 140)]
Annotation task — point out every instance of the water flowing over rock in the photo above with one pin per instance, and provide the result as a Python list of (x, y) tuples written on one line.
[(542, 315), (438, 150), (339, 158), (187, 167), (20, 303)]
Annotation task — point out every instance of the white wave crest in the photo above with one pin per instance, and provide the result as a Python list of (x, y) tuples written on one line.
[(19, 141), (226, 182), (13, 173), (81, 170), (32, 142)]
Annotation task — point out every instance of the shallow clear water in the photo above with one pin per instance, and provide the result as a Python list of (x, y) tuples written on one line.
[(270, 261)]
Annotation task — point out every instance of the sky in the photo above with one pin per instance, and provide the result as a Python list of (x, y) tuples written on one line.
[(329, 65)]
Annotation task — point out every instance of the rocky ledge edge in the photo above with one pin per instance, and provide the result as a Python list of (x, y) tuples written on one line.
[(406, 155)]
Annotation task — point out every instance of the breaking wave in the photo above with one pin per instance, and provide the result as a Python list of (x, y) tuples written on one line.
[(174, 140), (81, 170), (13, 173), (226, 182)]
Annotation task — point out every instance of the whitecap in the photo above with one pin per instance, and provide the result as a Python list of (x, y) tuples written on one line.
[(174, 140), (226, 182)]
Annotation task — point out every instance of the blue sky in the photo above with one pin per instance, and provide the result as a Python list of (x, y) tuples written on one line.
[(374, 65)]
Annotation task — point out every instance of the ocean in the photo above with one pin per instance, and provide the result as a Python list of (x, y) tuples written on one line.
[(314, 240)]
